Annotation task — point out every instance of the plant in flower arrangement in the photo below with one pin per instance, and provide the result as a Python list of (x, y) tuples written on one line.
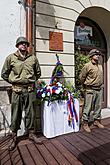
[(71, 88), (80, 61)]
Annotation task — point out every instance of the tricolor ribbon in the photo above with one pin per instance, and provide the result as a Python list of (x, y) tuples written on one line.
[(72, 114)]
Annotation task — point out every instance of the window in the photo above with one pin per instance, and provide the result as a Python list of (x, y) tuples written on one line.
[(89, 34)]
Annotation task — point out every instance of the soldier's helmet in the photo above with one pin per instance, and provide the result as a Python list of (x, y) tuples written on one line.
[(94, 52), (20, 40)]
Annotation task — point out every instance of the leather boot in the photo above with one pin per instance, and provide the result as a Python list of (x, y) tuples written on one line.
[(34, 138), (98, 124), (13, 141), (86, 127)]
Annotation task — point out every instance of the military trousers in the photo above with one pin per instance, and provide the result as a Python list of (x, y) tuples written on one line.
[(23, 101), (93, 99)]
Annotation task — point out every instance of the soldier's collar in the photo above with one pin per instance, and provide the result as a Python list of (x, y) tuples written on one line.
[(20, 56)]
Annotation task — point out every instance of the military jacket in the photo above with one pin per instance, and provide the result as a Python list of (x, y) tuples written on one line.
[(19, 70), (91, 75)]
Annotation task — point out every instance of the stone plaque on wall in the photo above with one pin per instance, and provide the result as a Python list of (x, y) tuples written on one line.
[(55, 41)]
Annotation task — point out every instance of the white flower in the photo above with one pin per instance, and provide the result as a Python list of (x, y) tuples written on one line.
[(48, 87), (48, 93), (57, 91), (43, 95), (59, 84), (60, 89)]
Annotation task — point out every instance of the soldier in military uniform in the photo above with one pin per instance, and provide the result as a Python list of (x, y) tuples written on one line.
[(22, 70), (91, 77)]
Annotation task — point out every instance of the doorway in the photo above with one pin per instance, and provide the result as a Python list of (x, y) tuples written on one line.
[(88, 35)]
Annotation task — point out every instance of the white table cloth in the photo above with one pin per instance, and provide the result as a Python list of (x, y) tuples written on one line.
[(55, 118)]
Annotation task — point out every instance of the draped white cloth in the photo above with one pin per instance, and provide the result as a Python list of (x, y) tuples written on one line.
[(55, 118)]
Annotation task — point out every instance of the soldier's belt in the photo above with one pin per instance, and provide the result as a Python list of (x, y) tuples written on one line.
[(19, 88), (94, 87)]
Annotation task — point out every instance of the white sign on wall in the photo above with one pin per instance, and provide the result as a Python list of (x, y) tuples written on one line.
[(82, 32)]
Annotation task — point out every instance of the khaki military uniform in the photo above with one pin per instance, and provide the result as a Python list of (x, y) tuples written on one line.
[(91, 77), (22, 73)]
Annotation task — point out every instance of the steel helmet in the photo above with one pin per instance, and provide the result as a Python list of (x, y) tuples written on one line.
[(94, 52), (22, 39)]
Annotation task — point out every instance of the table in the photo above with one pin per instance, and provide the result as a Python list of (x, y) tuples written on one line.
[(55, 118)]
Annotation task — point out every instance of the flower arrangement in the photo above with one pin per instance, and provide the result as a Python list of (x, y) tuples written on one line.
[(59, 91), (56, 91), (51, 92)]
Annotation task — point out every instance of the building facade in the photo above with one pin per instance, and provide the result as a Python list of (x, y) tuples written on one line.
[(83, 24), (59, 27)]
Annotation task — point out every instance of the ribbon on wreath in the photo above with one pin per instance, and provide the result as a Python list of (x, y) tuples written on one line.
[(72, 113)]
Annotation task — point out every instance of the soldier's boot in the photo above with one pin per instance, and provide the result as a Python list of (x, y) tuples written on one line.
[(86, 127), (34, 138), (13, 141), (98, 124)]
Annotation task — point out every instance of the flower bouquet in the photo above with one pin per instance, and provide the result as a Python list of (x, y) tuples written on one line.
[(51, 92)]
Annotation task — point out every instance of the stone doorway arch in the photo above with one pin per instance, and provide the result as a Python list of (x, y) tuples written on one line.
[(99, 17)]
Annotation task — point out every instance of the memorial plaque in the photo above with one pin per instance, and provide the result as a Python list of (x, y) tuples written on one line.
[(56, 41)]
